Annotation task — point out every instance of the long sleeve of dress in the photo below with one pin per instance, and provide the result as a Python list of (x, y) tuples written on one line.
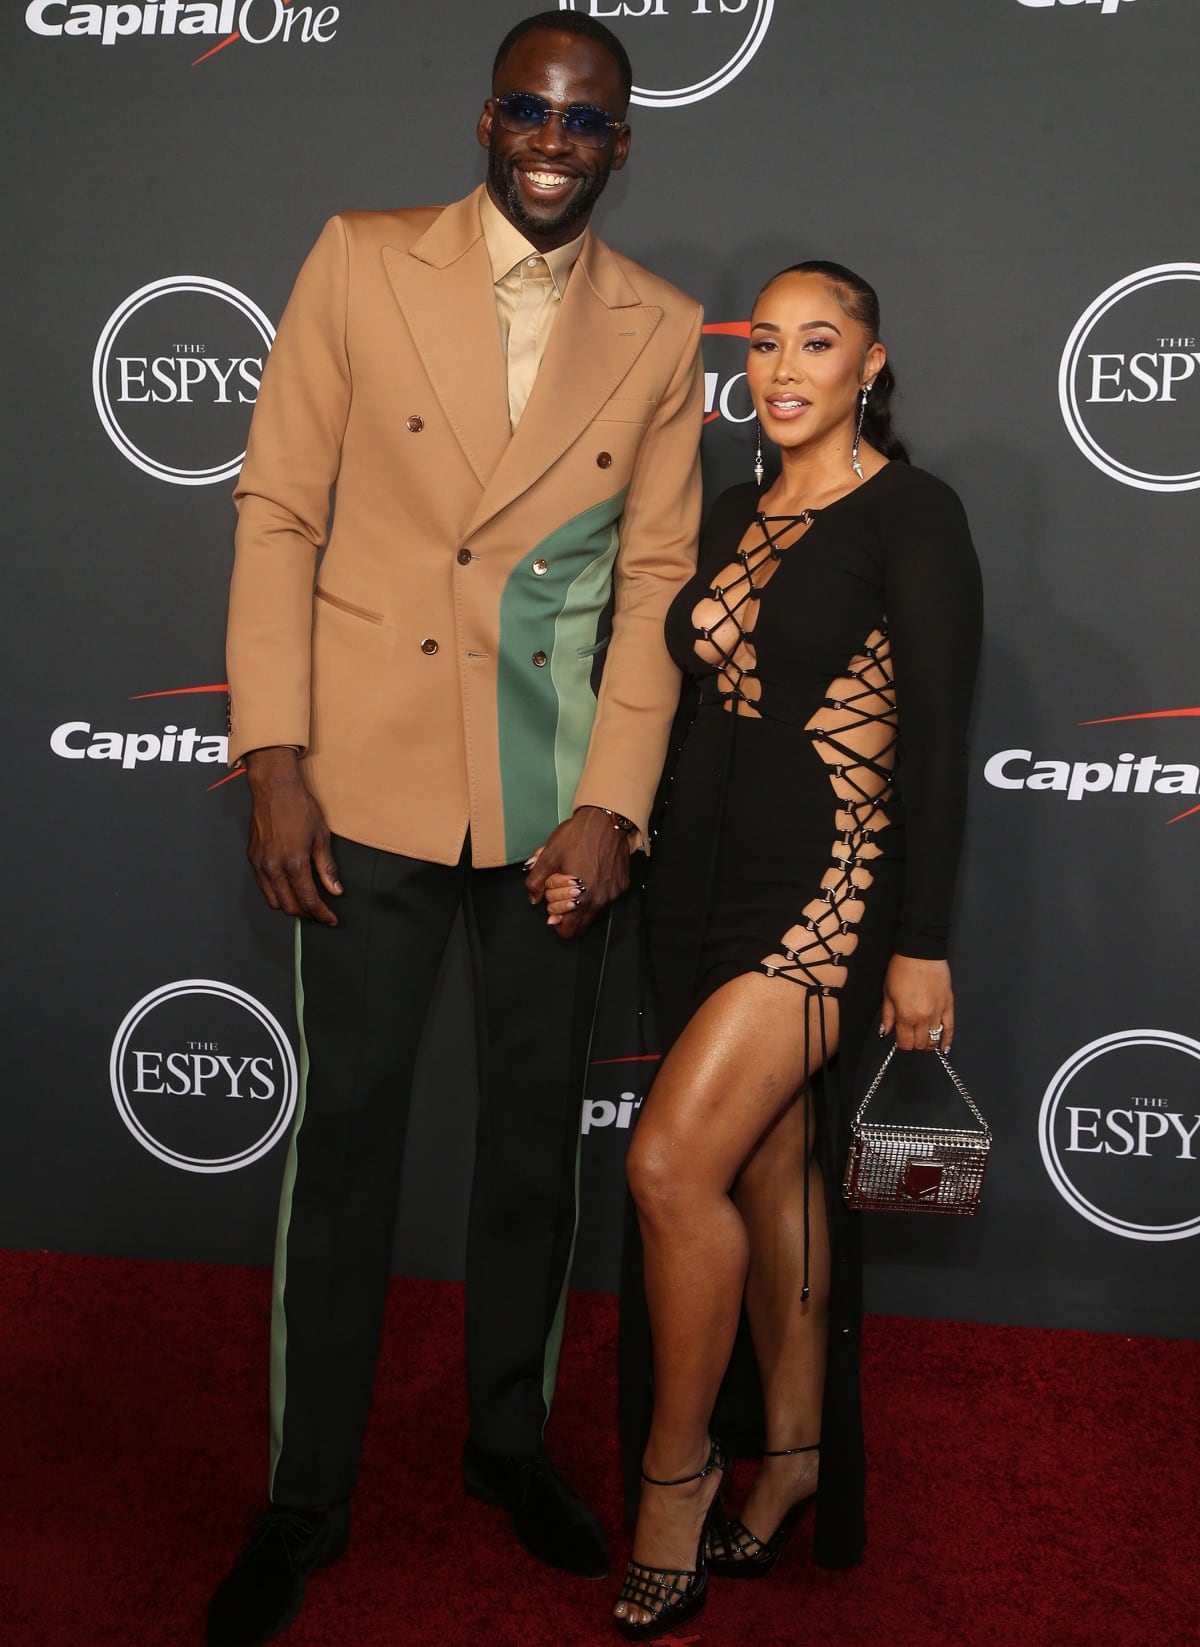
[(934, 606)]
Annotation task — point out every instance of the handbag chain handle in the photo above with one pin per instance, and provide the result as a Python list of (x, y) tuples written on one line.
[(950, 1071)]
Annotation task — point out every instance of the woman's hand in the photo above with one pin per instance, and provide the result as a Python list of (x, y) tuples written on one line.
[(563, 894), (917, 998)]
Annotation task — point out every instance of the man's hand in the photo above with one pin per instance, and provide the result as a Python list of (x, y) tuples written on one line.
[(582, 868), (288, 837), (917, 997)]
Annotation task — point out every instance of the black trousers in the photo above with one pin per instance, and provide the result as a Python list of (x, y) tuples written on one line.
[(363, 992)]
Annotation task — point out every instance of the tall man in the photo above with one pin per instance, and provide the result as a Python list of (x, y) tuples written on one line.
[(509, 412)]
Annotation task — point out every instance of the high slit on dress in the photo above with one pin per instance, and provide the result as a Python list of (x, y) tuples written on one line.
[(808, 827)]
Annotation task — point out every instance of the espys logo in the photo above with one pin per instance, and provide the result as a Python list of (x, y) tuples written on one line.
[(1127, 773), (1107, 7), (256, 22), (693, 48), (130, 748), (1128, 382), (203, 1076), (1119, 1129), (726, 396), (175, 377)]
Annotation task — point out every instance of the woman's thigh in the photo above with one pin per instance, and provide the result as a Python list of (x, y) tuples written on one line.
[(735, 1068)]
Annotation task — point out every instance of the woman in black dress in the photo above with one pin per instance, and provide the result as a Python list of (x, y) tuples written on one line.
[(799, 898)]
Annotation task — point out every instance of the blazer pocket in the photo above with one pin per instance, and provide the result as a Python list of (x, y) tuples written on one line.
[(591, 651), (363, 612), (626, 411)]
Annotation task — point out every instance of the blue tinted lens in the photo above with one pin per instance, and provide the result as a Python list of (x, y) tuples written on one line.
[(526, 112), (589, 125), (522, 111)]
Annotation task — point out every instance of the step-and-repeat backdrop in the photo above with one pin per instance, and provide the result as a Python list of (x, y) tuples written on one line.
[(1015, 176)]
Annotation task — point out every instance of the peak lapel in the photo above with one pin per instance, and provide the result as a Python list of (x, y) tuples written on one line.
[(443, 284), (600, 331)]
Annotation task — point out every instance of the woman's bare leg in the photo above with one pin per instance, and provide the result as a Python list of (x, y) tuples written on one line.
[(789, 1332), (727, 1080)]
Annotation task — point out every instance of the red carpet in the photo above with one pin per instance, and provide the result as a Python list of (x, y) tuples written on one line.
[(1028, 1489)]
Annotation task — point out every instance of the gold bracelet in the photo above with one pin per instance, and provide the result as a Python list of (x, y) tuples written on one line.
[(620, 822)]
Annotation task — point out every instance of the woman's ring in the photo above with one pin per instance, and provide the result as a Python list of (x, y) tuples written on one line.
[(935, 1034)]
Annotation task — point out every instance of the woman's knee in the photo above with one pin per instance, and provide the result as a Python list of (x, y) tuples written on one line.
[(657, 1171)]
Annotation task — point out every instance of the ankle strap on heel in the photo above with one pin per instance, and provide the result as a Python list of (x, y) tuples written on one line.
[(786, 1452), (716, 1461)]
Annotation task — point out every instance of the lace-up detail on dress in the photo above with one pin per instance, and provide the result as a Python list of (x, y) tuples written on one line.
[(854, 733), (725, 618)]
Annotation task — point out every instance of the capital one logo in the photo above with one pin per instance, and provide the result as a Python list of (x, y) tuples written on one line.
[(1129, 379), (203, 1076), (692, 48), (129, 749), (175, 377), (256, 22), (1119, 1132), (1124, 773), (1107, 7)]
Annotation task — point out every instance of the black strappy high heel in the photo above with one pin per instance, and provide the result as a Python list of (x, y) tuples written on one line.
[(735, 1552), (671, 1595)]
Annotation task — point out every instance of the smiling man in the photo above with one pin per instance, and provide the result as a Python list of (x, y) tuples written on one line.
[(509, 415)]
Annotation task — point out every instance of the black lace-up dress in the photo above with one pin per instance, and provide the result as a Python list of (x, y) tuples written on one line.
[(808, 828)]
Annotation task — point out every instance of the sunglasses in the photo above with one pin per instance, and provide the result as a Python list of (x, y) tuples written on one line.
[(525, 113)]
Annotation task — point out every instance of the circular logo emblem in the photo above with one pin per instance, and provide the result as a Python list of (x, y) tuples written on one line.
[(692, 53), (1119, 1132), (1129, 381), (175, 377), (203, 1076)]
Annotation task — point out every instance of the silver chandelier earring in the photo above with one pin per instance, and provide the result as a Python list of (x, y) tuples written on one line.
[(759, 471), (862, 412)]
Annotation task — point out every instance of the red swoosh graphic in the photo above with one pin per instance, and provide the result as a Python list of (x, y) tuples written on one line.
[(178, 691), (228, 41), (1147, 715), (638, 1058)]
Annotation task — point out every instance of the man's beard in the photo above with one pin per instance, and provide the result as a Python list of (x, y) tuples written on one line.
[(506, 191)]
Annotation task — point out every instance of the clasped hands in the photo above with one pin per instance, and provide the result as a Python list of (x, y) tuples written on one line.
[(583, 867), (581, 870)]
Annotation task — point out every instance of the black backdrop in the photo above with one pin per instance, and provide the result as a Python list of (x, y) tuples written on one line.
[(1016, 178)]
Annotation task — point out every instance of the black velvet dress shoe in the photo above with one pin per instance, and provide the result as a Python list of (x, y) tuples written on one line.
[(262, 1595), (550, 1520)]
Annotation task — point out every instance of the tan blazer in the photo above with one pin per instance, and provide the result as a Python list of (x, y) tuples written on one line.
[(438, 670)]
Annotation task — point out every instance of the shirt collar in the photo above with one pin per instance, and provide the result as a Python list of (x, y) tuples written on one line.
[(507, 246)]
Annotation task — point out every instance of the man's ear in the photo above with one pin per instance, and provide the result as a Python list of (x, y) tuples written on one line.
[(483, 130)]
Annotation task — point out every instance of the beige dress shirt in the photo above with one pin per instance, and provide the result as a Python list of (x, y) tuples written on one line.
[(529, 287)]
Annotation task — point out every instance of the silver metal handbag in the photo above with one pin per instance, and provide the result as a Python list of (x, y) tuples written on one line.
[(895, 1168)]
